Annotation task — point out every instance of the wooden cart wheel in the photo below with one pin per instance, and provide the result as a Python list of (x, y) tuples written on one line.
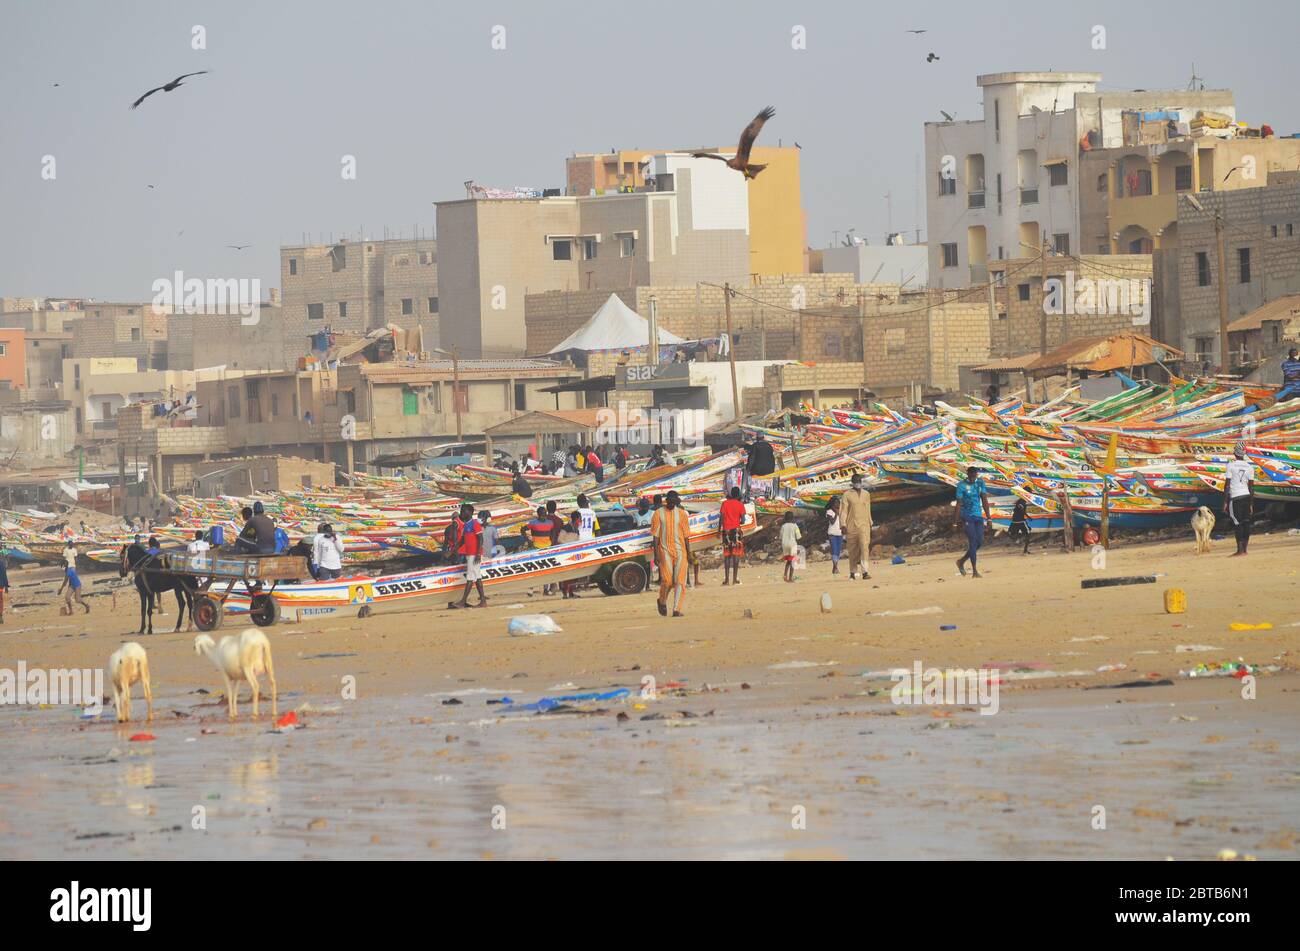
[(207, 612), (629, 577), (264, 610)]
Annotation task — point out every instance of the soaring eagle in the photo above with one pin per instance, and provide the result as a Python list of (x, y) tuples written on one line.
[(167, 87), (740, 161)]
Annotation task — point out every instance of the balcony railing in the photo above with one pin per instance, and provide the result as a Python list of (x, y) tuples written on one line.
[(1029, 196), (975, 200)]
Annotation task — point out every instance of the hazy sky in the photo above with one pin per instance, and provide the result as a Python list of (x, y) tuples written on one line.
[(251, 153)]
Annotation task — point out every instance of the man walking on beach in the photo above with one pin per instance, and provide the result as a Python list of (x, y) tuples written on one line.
[(71, 580), (972, 514), (471, 549), (855, 523), (1239, 496), (730, 519), (670, 528)]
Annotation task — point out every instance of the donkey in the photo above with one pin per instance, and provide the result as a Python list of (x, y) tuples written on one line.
[(153, 582)]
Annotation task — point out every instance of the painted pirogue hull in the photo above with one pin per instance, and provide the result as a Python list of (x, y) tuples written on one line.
[(434, 587)]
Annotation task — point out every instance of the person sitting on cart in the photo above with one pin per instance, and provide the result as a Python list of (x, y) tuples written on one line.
[(258, 536)]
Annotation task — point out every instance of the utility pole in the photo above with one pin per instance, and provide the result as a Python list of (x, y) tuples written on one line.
[(1042, 316), (652, 350), (1224, 365), (455, 392), (862, 340), (731, 352)]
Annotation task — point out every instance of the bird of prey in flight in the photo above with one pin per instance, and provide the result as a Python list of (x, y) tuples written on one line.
[(932, 58), (918, 31), (740, 161), (238, 247), (946, 117), (167, 87)]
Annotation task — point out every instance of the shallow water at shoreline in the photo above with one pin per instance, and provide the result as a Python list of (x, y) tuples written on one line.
[(1181, 771)]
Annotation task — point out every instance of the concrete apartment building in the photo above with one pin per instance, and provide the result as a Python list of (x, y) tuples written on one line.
[(1013, 179), (199, 341), (136, 332), (777, 226), (358, 286), (693, 227), (1019, 300), (1131, 205), (300, 413), (1261, 229), (907, 265)]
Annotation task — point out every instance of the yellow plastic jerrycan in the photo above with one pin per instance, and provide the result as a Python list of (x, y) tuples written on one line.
[(1175, 601)]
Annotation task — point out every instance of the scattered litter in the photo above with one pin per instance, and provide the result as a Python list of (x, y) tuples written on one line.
[(529, 625), (287, 722), (1107, 668), (547, 704), (1194, 648), (332, 654), (1175, 601), (1086, 640), (826, 603), (749, 612), (1239, 626), (143, 738), (1184, 718), (914, 612), (1229, 668), (898, 560), (801, 664), (947, 627), (1130, 684), (1119, 581)]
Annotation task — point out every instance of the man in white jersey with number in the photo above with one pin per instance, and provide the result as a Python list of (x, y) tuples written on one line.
[(588, 524), (1239, 496)]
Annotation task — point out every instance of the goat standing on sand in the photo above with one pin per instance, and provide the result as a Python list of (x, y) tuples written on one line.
[(240, 657), (1202, 525), (127, 665)]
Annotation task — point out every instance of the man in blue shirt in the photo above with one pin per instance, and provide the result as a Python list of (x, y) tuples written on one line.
[(1290, 377), (972, 514)]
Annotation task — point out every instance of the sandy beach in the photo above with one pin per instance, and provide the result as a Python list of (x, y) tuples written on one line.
[(772, 735)]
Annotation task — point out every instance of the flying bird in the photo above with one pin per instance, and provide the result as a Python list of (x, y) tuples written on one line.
[(947, 118), (167, 87), (932, 58), (918, 31), (740, 161), (798, 146), (238, 247)]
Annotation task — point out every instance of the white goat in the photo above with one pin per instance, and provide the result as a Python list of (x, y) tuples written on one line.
[(1202, 525), (127, 665), (240, 657)]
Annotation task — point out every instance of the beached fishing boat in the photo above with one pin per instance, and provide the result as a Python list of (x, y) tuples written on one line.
[(619, 563)]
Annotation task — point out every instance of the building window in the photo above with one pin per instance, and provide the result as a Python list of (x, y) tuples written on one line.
[(232, 402), (1183, 178), (1059, 174), (315, 311), (293, 266), (1274, 234), (410, 403), (947, 186), (949, 254), (433, 306), (408, 305), (275, 402), (1062, 243), (1022, 291), (1243, 265), (561, 251), (135, 334), (589, 249), (343, 308), (4, 349), (1202, 269), (1103, 185), (338, 257), (832, 348), (426, 257), (1290, 231), (521, 393), (627, 246)]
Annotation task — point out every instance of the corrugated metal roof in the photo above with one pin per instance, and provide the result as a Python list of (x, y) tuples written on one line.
[(1284, 308)]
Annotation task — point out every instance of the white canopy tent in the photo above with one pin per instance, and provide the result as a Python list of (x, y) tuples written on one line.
[(614, 327)]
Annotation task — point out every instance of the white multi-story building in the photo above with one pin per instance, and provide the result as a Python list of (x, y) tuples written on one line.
[(1000, 186)]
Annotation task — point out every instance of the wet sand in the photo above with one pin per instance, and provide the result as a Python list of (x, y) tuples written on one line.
[(722, 771)]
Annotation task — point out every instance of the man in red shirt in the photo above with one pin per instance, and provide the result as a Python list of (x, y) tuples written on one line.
[(471, 549), (732, 517)]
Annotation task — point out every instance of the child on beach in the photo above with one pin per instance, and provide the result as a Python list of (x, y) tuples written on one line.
[(790, 536), (1020, 523)]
